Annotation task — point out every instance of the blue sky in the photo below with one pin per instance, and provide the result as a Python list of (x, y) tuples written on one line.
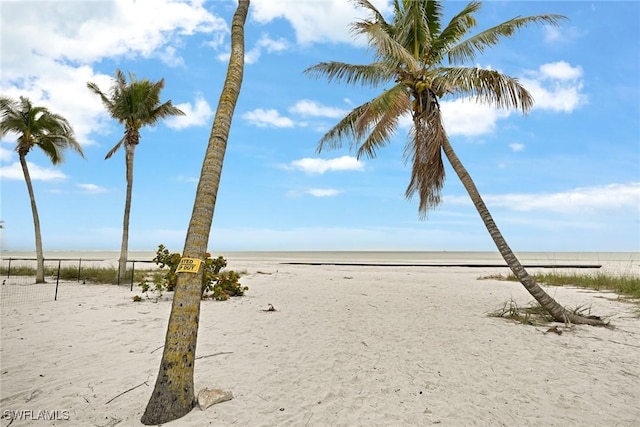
[(564, 178)]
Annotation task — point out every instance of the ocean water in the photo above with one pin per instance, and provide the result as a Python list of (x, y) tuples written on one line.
[(631, 259)]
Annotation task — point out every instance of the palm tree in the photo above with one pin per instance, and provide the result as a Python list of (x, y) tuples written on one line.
[(424, 62), (36, 127), (173, 395), (134, 104)]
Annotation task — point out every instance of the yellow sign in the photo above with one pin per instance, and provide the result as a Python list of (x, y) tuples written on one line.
[(189, 265)]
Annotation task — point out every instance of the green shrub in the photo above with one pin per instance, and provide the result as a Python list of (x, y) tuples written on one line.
[(216, 284)]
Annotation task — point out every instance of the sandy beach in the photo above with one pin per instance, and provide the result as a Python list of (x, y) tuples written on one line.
[(347, 346)]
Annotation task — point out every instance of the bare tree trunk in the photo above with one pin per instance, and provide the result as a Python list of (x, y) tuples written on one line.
[(559, 313), (173, 395), (36, 222), (124, 251)]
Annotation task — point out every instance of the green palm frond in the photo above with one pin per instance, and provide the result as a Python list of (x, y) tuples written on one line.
[(486, 86), (377, 16), (457, 28), (370, 125), (115, 148), (36, 126), (380, 119), (433, 12), (365, 75), (344, 130), (413, 26), (467, 50), (106, 101), (134, 104), (388, 50)]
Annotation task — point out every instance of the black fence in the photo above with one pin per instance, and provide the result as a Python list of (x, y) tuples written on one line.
[(18, 277)]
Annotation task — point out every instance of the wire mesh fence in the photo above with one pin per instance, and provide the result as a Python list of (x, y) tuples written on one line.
[(19, 284)]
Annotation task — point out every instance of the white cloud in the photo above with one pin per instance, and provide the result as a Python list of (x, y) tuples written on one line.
[(197, 114), (469, 118), (89, 31), (561, 34), (48, 50), (322, 192), (307, 107), (169, 56), (92, 188), (604, 198), (552, 34), (315, 192), (560, 70), (315, 21), (264, 43), (37, 173), (267, 118), (188, 179), (556, 86), (516, 146), (320, 166), (6, 155)]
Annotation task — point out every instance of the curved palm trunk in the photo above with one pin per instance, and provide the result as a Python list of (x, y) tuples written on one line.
[(173, 395), (559, 313), (36, 222), (122, 262)]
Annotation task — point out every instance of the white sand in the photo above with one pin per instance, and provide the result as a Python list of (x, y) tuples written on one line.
[(347, 346)]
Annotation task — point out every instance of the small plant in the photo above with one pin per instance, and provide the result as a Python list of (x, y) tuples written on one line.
[(534, 315), (137, 298), (216, 284), (157, 284)]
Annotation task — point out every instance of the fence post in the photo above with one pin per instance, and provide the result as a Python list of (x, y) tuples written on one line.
[(133, 272), (55, 298), (9, 268), (79, 268)]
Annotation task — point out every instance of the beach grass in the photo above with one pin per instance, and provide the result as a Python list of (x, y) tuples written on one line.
[(105, 275), (625, 285)]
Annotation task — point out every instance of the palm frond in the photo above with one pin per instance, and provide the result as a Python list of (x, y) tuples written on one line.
[(387, 49), (52, 150), (370, 125), (134, 104), (380, 119), (365, 75), (10, 118), (467, 50), (433, 11), (37, 126), (455, 30), (366, 4), (105, 100), (115, 148), (413, 25), (486, 86), (424, 151), (345, 129)]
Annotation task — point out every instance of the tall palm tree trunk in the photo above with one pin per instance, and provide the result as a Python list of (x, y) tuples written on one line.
[(173, 395), (559, 313), (124, 246), (36, 222)]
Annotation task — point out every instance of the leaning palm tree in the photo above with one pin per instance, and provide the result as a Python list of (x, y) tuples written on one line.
[(134, 104), (36, 127), (424, 61), (173, 395)]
